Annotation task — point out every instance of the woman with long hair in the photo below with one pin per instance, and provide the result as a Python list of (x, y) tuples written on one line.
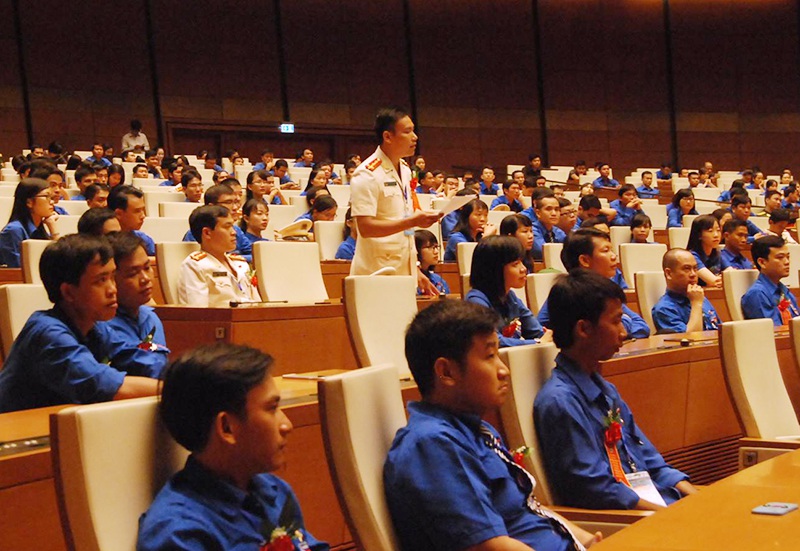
[(31, 218), (704, 238), (472, 226), (682, 204)]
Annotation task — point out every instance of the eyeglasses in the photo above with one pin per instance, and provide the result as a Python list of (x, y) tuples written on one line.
[(230, 202), (47, 196)]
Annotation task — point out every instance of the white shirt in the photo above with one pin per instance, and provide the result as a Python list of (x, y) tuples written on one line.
[(129, 141), (205, 281)]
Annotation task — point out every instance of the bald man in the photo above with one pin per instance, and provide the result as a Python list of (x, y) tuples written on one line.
[(684, 307)]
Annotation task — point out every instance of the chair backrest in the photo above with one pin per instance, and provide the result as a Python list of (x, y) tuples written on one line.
[(74, 208), (658, 216), (66, 224), (754, 379), (6, 204), (735, 284), (538, 288), (169, 257), (622, 234), (640, 257), (761, 222), (328, 236), (153, 198), (650, 287), (32, 250), (678, 238), (281, 216), (17, 302), (166, 229), (341, 194), (106, 477), (378, 310), (530, 367), (289, 271), (688, 219), (464, 252), (794, 265), (551, 252), (173, 209), (360, 412)]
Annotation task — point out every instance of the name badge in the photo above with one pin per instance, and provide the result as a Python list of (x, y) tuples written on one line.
[(219, 274), (642, 484), (390, 183)]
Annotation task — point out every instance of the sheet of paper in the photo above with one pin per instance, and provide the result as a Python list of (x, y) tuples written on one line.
[(642, 484), (456, 203)]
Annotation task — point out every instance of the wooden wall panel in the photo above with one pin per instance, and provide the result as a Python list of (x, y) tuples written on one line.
[(12, 117)]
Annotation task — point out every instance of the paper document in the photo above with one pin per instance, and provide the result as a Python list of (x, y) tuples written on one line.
[(642, 484), (456, 203)]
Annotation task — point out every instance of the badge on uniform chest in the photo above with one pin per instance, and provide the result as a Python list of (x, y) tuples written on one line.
[(390, 183), (219, 274)]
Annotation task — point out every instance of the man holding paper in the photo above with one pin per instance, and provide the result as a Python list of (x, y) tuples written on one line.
[(594, 454), (382, 203)]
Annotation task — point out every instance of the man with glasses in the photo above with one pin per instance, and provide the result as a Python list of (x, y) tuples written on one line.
[(224, 196), (192, 186), (568, 215)]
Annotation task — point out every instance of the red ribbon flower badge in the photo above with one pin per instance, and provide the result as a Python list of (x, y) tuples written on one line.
[(613, 423), (253, 278), (281, 540), (520, 454), (512, 328)]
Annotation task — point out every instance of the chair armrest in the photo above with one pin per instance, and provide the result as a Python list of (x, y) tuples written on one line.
[(763, 443), (613, 516)]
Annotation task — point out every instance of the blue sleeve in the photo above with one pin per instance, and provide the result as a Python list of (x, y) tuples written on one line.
[(345, 251), (10, 246), (634, 324), (448, 223), (574, 456), (497, 201), (126, 355), (663, 475), (189, 237), (149, 244), (505, 342), (544, 315), (243, 245), (452, 246), (700, 264), (757, 304), (531, 328), (668, 318), (538, 243), (675, 218)]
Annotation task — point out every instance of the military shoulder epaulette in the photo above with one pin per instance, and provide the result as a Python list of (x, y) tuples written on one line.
[(237, 257), (374, 163), (403, 162), (198, 255)]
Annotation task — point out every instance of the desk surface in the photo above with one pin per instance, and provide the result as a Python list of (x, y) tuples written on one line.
[(719, 516)]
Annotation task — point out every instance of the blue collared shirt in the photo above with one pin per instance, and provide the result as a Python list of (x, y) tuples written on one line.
[(619, 279), (671, 314), (420, 188), (11, 239), (762, 299), (542, 236), (569, 413), (489, 191), (244, 244), (736, 261), (724, 197), (448, 223), (346, 249), (285, 179), (601, 182), (530, 213), (452, 245), (675, 217), (147, 343), (149, 244), (624, 214), (253, 238), (514, 205), (102, 160), (447, 490), (661, 176), (752, 231), (198, 510), (59, 210), (647, 192), (438, 282), (787, 205), (529, 330), (711, 263), (51, 363)]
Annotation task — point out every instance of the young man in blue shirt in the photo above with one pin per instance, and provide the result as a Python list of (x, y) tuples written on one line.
[(510, 197), (127, 202), (734, 234), (591, 446), (84, 177), (221, 403), (768, 297), (487, 185), (740, 208), (683, 308), (627, 206), (63, 355), (97, 155), (449, 481), (545, 225), (646, 190), (664, 174), (605, 179)]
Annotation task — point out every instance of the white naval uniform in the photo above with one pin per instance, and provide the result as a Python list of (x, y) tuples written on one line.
[(377, 190), (205, 281)]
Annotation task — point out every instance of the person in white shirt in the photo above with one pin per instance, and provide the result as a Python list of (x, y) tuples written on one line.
[(135, 139)]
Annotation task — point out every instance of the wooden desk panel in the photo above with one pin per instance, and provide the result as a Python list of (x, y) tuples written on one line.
[(334, 272)]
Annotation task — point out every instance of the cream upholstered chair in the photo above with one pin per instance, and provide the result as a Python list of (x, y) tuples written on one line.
[(32, 250), (650, 287), (66, 225), (328, 236), (794, 264), (74, 208), (281, 216), (551, 253), (640, 257), (289, 271), (529, 369), (17, 302), (174, 209), (152, 197), (166, 229), (753, 376), (464, 253), (538, 287), (106, 477), (378, 310), (688, 219), (735, 284), (169, 257), (622, 234), (678, 238), (360, 412)]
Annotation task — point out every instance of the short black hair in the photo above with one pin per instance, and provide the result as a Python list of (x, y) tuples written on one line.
[(740, 199), (65, 261), (579, 243), (124, 244), (761, 247), (204, 382), (444, 330), (92, 221), (92, 190), (640, 219), (323, 203), (212, 194), (777, 215), (386, 119), (82, 172), (734, 224), (490, 257), (624, 188), (118, 197), (581, 295), (205, 217), (590, 202)]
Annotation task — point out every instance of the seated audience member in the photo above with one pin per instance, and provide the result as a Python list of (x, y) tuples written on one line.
[(136, 323), (704, 238), (558, 190), (260, 185), (210, 162), (316, 179), (219, 175), (534, 168), (681, 205), (772, 201), (599, 222), (568, 215), (427, 183), (779, 220), (101, 172), (63, 355), (664, 175), (31, 218), (591, 447), (127, 202), (605, 179), (212, 276), (323, 209), (758, 180), (510, 197), (768, 297), (591, 249), (627, 206), (97, 156), (740, 207), (487, 185), (347, 248), (305, 159), (153, 163), (174, 173), (281, 172), (727, 194), (497, 268), (135, 140), (140, 171), (521, 228), (579, 169), (255, 219), (472, 226), (518, 177), (694, 179), (640, 228), (683, 308), (98, 222), (238, 192), (449, 481), (58, 186), (541, 181), (96, 196), (116, 176), (84, 176), (221, 403), (646, 190), (537, 193), (450, 220), (350, 167), (428, 258), (267, 160), (223, 196), (192, 186), (722, 216), (734, 233), (791, 197), (545, 225)]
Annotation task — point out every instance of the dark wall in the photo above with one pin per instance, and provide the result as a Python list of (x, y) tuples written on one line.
[(225, 73)]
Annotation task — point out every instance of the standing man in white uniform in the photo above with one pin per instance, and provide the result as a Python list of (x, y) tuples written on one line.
[(382, 204)]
